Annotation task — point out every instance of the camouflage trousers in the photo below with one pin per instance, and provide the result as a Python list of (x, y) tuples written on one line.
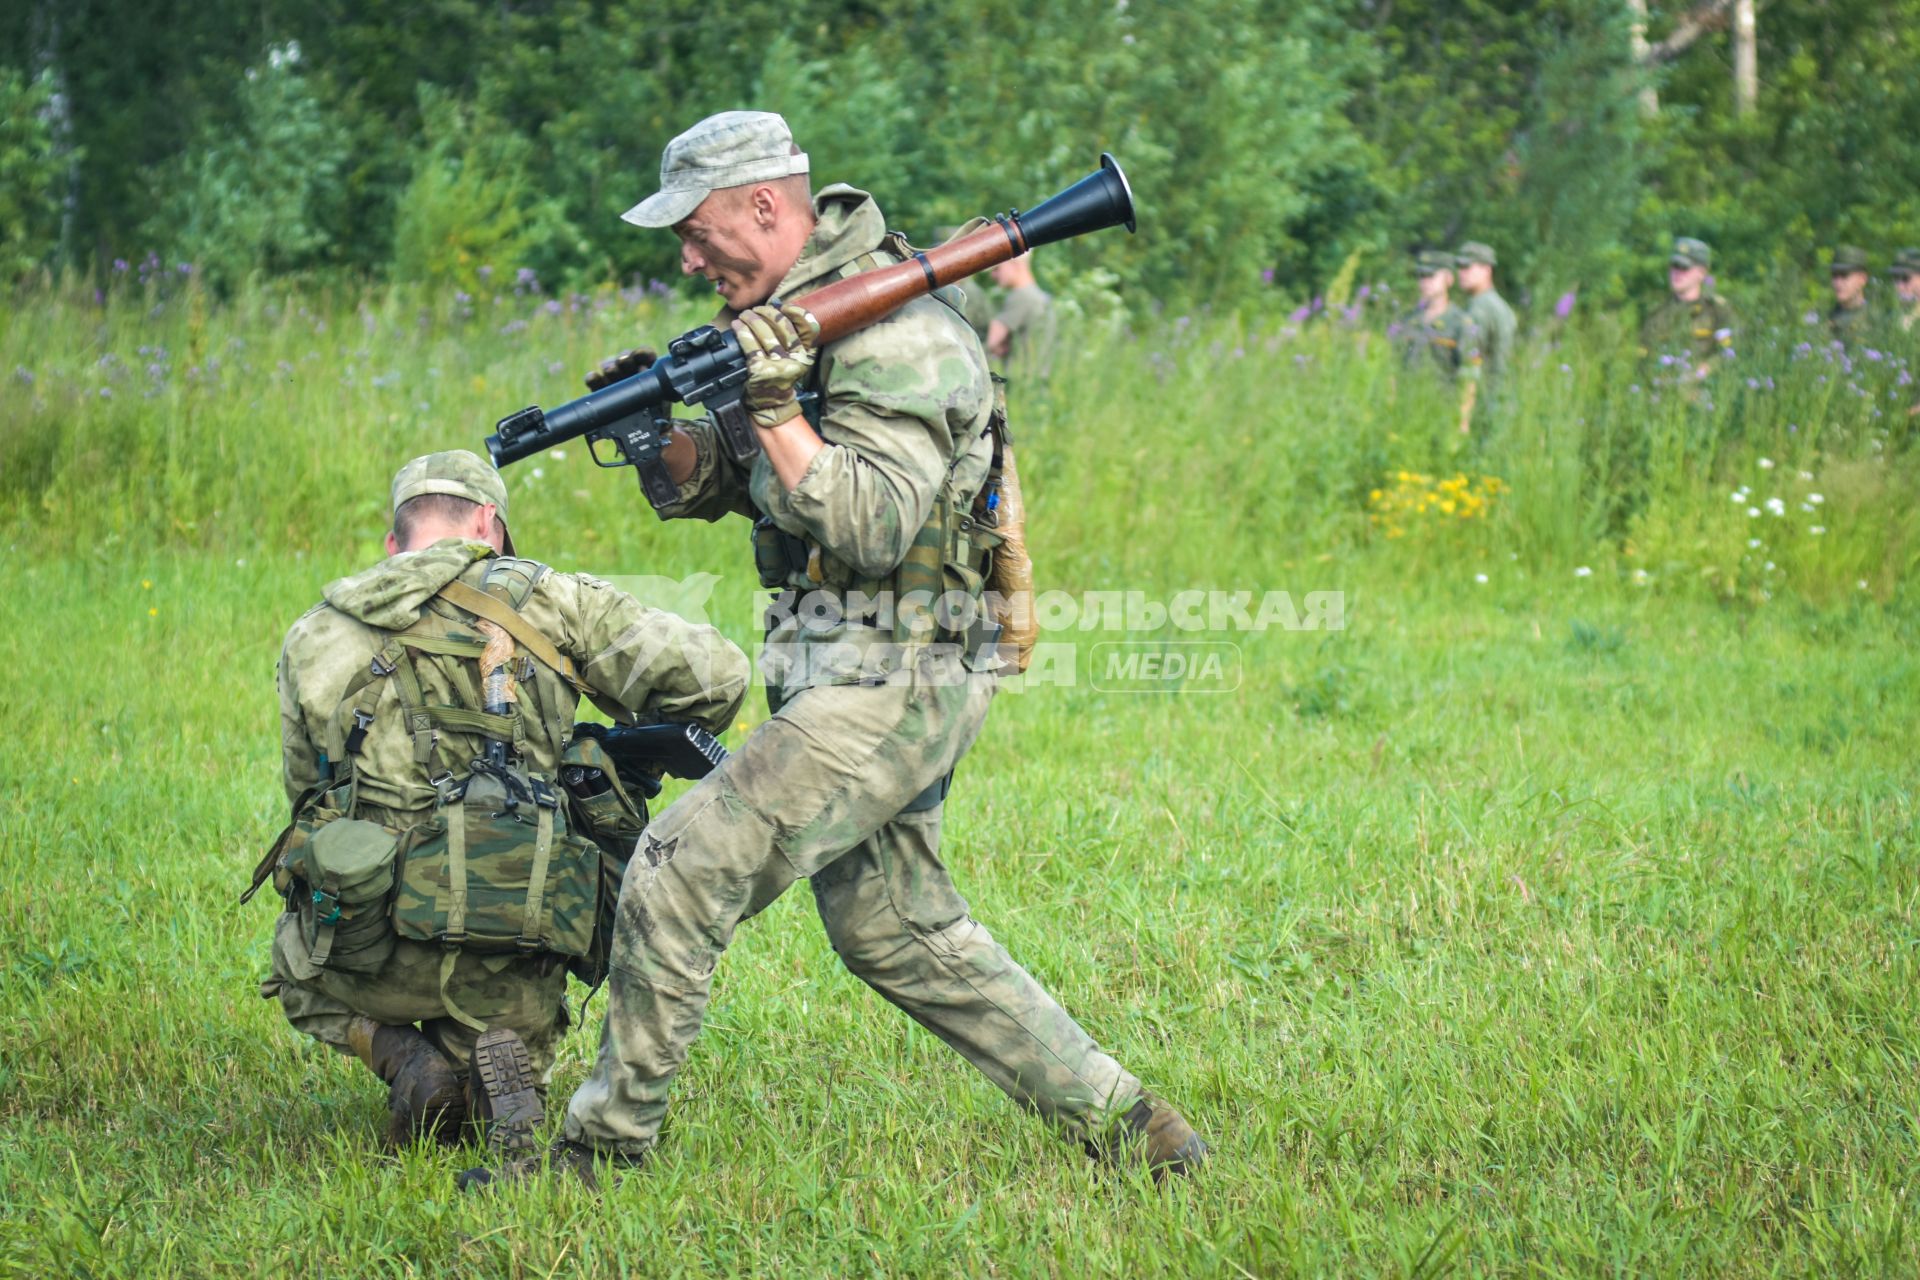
[(817, 791), (526, 995)]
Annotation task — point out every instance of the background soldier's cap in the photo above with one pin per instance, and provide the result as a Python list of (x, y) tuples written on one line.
[(1848, 257), (1688, 252), (456, 472), (1905, 263), (1432, 260), (1473, 251), (731, 149)]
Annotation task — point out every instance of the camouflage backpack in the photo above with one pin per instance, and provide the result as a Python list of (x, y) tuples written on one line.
[(501, 859)]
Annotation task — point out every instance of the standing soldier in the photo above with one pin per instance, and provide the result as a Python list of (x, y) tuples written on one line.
[(1022, 332), (1695, 324), (1439, 332), (389, 755), (874, 697), (1850, 317), (1492, 317), (1906, 284)]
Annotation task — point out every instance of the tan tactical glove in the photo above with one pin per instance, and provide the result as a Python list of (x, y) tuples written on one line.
[(621, 367), (778, 343)]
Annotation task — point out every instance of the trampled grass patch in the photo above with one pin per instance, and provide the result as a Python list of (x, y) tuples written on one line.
[(1536, 922)]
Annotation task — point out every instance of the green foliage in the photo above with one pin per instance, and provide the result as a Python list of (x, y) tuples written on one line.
[(1261, 138), (470, 206), (248, 196), (31, 172)]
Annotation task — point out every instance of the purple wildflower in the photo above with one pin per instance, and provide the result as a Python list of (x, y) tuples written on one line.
[(1299, 314), (1365, 292), (1266, 277), (1564, 307), (119, 264)]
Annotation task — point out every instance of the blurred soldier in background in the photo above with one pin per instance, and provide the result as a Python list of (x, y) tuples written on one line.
[(1021, 334), (1492, 317), (1850, 316), (1695, 323), (1442, 333), (1906, 284)]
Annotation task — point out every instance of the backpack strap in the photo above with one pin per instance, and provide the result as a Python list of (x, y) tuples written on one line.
[(508, 619)]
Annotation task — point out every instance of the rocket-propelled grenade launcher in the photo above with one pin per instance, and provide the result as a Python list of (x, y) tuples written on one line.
[(705, 367)]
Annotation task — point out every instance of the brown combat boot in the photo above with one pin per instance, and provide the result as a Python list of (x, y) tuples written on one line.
[(1152, 1134), (424, 1092), (505, 1095)]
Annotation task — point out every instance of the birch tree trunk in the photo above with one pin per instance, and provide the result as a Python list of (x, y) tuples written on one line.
[(1746, 77)]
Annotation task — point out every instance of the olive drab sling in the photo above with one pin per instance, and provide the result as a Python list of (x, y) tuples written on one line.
[(505, 860)]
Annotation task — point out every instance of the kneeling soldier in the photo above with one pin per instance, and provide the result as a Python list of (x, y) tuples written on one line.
[(456, 848)]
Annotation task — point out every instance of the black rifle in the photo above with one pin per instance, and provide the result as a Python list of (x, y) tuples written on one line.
[(705, 367), (643, 752)]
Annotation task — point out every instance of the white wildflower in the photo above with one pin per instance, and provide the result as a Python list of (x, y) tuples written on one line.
[(1815, 499), (1583, 572), (1817, 530), (1766, 464), (1480, 578)]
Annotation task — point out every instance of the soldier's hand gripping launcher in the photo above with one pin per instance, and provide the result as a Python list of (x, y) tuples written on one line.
[(705, 367)]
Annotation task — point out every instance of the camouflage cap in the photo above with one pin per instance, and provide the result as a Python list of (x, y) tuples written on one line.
[(1848, 258), (1432, 260), (731, 149), (1905, 263), (1688, 252), (457, 473), (1474, 252)]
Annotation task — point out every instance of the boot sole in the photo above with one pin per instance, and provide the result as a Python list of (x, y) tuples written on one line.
[(505, 1100)]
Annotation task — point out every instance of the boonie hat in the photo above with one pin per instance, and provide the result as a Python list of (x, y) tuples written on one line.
[(1905, 263), (1688, 252), (457, 473), (1474, 252), (731, 149), (1432, 260)]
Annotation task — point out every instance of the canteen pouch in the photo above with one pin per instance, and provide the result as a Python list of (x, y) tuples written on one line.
[(338, 874), (604, 810), (487, 876)]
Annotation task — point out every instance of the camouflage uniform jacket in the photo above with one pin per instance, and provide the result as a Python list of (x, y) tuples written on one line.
[(904, 408), (1700, 329), (1453, 341), (645, 660), (1850, 323), (1498, 329), (1031, 329)]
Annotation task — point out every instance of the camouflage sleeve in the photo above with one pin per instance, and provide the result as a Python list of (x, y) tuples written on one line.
[(649, 661), (718, 485), (299, 754), (895, 398)]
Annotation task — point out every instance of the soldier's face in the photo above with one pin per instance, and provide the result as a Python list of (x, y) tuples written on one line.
[(730, 240), (1686, 281), (1909, 287), (1849, 287), (1475, 276), (1433, 285)]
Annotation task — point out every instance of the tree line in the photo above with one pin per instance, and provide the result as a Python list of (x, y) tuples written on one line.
[(1269, 145)]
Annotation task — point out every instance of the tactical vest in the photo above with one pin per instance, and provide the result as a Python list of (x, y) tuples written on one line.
[(952, 551), (484, 854)]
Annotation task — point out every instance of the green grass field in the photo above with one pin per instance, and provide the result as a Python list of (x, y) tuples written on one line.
[(1557, 923)]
